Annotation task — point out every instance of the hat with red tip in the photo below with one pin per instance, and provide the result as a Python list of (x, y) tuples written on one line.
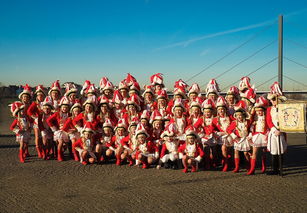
[(140, 130), (134, 100), (145, 115), (276, 92), (26, 90), (135, 86), (261, 102), (212, 87), (70, 88), (86, 84), (162, 94), (233, 91), (148, 89), (123, 85), (133, 122), (170, 130), (240, 107), (77, 104), (92, 100), (121, 124), (208, 104), (107, 123), (178, 103), (157, 79), (48, 102), (249, 94), (194, 89), (103, 100), (55, 87), (244, 83), (117, 97), (108, 86), (190, 131), (130, 79), (88, 127), (40, 88), (64, 101), (103, 82), (155, 116), (16, 107), (91, 89), (221, 102)]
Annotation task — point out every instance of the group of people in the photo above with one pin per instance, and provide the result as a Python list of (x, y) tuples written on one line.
[(147, 128)]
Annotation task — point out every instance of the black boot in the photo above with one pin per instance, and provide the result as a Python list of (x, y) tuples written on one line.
[(179, 164), (274, 165), (166, 165), (174, 164)]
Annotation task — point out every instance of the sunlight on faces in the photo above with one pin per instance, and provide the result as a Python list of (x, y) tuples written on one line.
[(178, 111), (131, 108), (191, 139), (230, 99), (104, 108), (144, 122), (195, 111), (158, 87), (107, 131), (76, 111), (55, 95), (148, 97), (132, 129), (240, 117), (47, 109), (178, 97), (90, 94), (212, 96), (72, 97), (87, 135), (40, 96), (193, 96), (120, 131), (107, 92), (132, 92), (259, 111), (208, 113), (123, 92), (25, 98), (221, 111), (64, 108), (88, 108), (162, 102), (157, 124), (141, 138), (118, 105)]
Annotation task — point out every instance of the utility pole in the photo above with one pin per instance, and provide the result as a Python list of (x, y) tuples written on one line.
[(280, 51)]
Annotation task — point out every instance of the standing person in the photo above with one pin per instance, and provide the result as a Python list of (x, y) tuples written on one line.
[(55, 94), (162, 102), (157, 81), (21, 126), (149, 98), (56, 123), (277, 144), (34, 111), (71, 93), (179, 95), (221, 122), (116, 146), (232, 97), (179, 119), (212, 90), (117, 105), (260, 134), (130, 144), (106, 141), (190, 152), (239, 130)]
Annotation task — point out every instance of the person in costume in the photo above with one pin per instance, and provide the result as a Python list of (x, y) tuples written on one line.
[(232, 97), (179, 119), (21, 126), (55, 94), (156, 81), (212, 90), (149, 100), (277, 143), (116, 146)]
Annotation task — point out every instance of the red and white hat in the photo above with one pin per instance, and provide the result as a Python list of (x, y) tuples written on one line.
[(276, 92), (88, 127), (190, 130), (212, 87), (117, 97), (26, 90), (178, 103), (70, 88), (108, 86), (197, 102), (181, 84), (134, 100), (130, 79), (180, 91), (91, 100), (194, 89), (162, 94), (157, 79), (64, 101), (123, 85), (145, 115), (16, 107), (77, 104), (148, 89), (140, 129), (40, 88), (55, 87), (240, 107), (155, 115), (133, 122), (135, 86), (91, 89), (103, 82), (167, 117), (48, 102), (261, 102), (244, 83), (170, 130), (121, 124), (208, 104), (107, 123), (233, 91), (221, 102), (249, 94), (86, 84)]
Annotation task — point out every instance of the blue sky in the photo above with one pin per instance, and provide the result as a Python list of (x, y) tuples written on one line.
[(41, 41)]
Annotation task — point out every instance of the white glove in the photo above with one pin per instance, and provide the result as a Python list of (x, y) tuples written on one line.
[(180, 155), (53, 128), (79, 128), (57, 133), (198, 159), (16, 131), (112, 148), (156, 154)]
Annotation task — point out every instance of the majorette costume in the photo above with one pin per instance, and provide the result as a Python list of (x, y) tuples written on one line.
[(146, 149), (86, 145), (71, 89), (69, 126), (179, 93), (180, 122), (118, 105), (231, 102), (149, 104), (272, 121), (21, 126), (55, 87), (196, 118), (156, 132), (213, 88), (132, 115), (116, 140), (157, 79), (260, 132), (162, 102), (191, 151), (26, 91)]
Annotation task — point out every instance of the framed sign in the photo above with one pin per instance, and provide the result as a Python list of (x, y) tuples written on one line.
[(292, 117)]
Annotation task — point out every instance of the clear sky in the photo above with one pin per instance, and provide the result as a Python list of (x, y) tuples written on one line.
[(76, 40)]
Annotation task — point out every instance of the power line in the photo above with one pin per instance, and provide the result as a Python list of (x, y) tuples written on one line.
[(302, 65), (258, 86), (256, 70), (232, 51), (298, 82), (245, 59), (297, 44)]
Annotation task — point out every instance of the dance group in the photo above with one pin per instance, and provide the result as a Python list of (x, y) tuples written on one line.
[(147, 129)]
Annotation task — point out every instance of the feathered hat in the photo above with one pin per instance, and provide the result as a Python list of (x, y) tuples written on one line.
[(26, 90), (16, 107), (190, 130), (70, 88), (261, 102), (55, 87), (86, 84), (157, 79), (103, 82), (64, 101), (244, 83), (88, 127), (40, 88), (107, 123), (77, 104), (135, 100), (233, 91), (91, 100), (117, 97), (48, 102), (208, 104), (212, 87), (155, 115), (121, 124), (140, 129), (276, 92), (162, 94), (148, 89), (221, 102), (123, 85), (145, 115), (194, 89), (178, 103), (249, 94), (170, 130)]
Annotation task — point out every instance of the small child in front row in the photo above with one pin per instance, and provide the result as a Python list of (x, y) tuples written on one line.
[(21, 126)]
